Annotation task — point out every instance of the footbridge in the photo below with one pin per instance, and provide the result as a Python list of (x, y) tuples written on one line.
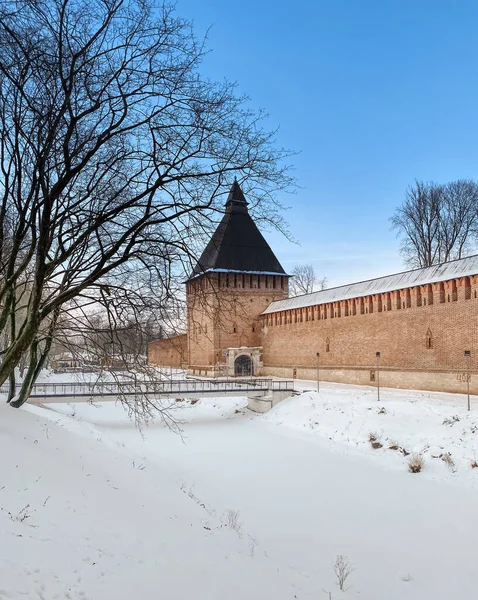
[(262, 394)]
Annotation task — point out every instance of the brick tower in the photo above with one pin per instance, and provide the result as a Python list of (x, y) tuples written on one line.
[(234, 281)]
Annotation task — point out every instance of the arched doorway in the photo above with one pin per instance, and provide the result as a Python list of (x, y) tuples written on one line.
[(243, 366)]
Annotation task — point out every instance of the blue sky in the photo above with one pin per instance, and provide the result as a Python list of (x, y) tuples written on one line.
[(372, 93)]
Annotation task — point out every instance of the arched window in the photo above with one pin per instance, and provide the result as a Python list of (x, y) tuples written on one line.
[(327, 345), (429, 340)]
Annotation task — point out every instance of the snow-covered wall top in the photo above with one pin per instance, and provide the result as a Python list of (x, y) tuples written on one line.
[(462, 267)]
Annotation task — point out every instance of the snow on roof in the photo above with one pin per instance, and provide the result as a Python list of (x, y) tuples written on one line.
[(462, 267)]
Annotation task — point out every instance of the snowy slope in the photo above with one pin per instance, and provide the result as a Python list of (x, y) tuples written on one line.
[(304, 499), (435, 425), (117, 515), (80, 519)]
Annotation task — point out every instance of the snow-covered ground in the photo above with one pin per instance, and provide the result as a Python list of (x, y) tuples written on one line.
[(405, 422), (241, 505)]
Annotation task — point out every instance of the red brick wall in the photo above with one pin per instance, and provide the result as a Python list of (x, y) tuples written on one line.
[(376, 323), (171, 352)]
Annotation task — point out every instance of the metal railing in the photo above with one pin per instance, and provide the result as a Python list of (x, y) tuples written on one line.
[(163, 387)]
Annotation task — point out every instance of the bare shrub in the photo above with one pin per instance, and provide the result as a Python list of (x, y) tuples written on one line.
[(382, 411), (451, 420), (21, 516), (342, 569), (376, 445), (231, 518), (416, 463), (393, 445), (474, 463), (253, 543)]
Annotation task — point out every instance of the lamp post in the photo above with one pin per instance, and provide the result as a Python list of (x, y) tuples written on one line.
[(377, 354), (468, 358), (318, 372)]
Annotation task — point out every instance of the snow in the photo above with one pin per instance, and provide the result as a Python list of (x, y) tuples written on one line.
[(116, 514), (426, 423), (462, 267)]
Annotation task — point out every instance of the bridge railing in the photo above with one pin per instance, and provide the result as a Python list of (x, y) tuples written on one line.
[(180, 386)]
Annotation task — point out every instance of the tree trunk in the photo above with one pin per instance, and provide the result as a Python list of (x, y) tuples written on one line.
[(34, 368)]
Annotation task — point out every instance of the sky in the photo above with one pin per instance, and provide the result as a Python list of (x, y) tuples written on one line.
[(371, 94)]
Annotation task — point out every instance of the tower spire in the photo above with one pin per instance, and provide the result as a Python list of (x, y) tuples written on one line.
[(236, 201), (237, 244)]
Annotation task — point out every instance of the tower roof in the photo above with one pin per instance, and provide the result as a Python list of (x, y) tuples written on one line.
[(237, 244)]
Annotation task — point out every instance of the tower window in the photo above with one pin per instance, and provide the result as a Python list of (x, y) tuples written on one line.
[(429, 340), (327, 345)]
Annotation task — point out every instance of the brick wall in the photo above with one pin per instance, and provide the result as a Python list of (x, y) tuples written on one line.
[(422, 330), (171, 352), (224, 312)]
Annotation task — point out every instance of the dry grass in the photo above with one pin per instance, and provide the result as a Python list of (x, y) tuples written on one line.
[(416, 463), (393, 445), (231, 519), (374, 440), (474, 464), (451, 420), (448, 460)]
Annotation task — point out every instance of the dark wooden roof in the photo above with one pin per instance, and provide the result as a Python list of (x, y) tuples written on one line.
[(237, 244)]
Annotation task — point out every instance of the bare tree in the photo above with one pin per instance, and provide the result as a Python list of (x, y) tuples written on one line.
[(342, 569), (305, 281), (114, 158), (437, 223)]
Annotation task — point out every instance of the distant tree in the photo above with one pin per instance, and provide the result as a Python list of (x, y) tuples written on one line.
[(437, 223), (305, 281), (115, 157)]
